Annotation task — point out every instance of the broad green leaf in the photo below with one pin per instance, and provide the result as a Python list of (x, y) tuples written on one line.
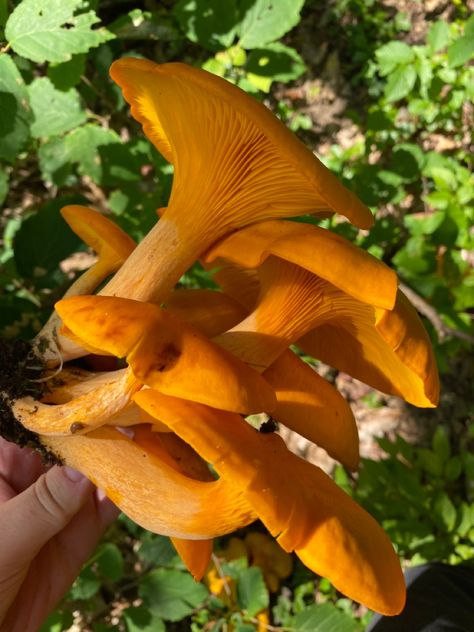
[(252, 594), (444, 511), (461, 51), (465, 519), (85, 586), (209, 22), (55, 111), (49, 30), (3, 186), (83, 146), (109, 561), (171, 594), (44, 239), (68, 74), (56, 162), (276, 62), (393, 54), (325, 617), (157, 551), (264, 21), (141, 619), (469, 26), (15, 112), (400, 83), (438, 36), (444, 178), (424, 225)]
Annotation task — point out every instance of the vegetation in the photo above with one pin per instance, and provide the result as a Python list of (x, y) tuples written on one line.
[(401, 141)]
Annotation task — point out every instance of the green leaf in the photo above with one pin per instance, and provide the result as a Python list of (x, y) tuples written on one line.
[(209, 22), (55, 162), (68, 74), (438, 36), (275, 61), (252, 594), (444, 511), (453, 468), (49, 30), (469, 26), (55, 111), (440, 444), (3, 13), (323, 617), (171, 594), (85, 586), (44, 239), (57, 622), (110, 562), (157, 551), (461, 51), (266, 20), (145, 25), (83, 145), (393, 54), (400, 83), (141, 619), (15, 112), (3, 186), (430, 462)]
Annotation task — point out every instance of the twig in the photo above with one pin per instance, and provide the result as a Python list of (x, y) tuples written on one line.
[(443, 330), (5, 49)]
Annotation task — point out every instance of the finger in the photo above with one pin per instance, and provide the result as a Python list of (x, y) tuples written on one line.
[(30, 519), (19, 467)]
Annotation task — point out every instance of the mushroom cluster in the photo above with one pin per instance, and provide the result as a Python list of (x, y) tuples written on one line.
[(164, 433)]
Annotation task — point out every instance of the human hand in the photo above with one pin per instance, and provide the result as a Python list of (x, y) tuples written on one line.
[(50, 522)]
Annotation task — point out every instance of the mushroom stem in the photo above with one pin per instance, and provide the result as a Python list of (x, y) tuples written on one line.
[(156, 265)]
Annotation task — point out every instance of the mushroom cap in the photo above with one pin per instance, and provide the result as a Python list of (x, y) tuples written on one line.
[(166, 353), (104, 236), (313, 408), (149, 489), (249, 166), (388, 349), (296, 501), (316, 249), (196, 554), (209, 311)]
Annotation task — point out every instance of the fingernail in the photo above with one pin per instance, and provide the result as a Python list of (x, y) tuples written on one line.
[(72, 475), (100, 494)]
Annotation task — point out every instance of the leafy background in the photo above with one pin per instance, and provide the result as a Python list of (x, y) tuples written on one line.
[(383, 91)]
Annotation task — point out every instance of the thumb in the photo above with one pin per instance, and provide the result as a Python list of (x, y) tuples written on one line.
[(30, 519)]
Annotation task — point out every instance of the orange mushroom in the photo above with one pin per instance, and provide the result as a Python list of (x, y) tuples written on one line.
[(112, 246), (326, 254), (297, 502), (83, 413), (306, 402), (388, 349), (166, 353), (234, 163), (147, 486)]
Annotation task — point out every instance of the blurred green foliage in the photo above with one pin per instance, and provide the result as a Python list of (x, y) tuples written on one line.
[(66, 137)]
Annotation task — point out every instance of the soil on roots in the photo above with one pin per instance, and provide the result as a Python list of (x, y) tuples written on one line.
[(20, 368)]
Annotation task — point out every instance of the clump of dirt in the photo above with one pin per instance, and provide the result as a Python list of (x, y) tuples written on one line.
[(20, 368)]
